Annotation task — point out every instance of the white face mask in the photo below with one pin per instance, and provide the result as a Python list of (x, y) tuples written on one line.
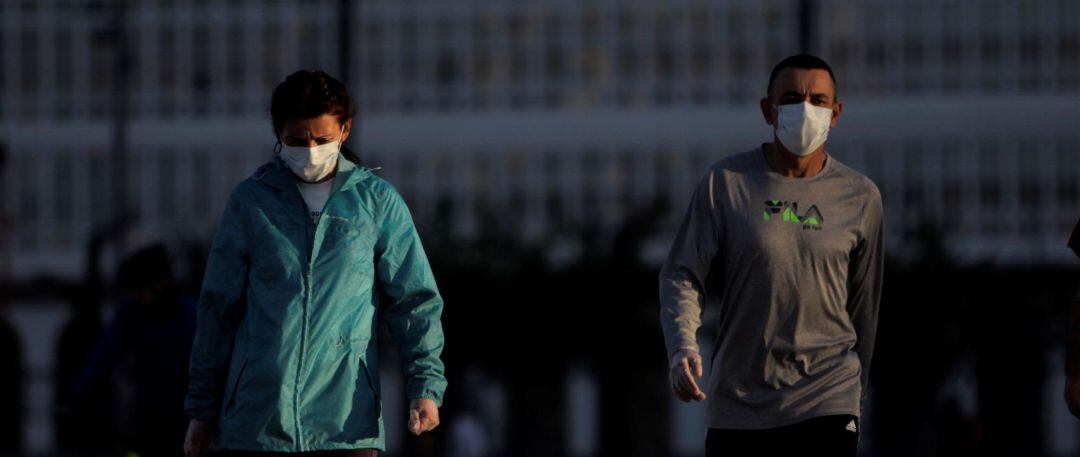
[(312, 164), (802, 127)]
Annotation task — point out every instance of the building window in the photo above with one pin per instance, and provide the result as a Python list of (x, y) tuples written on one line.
[(236, 60), (1029, 49), (627, 60), (664, 51), (167, 69), (914, 179), (166, 186), (201, 192), (308, 32), (271, 57), (373, 53), (954, 201), (64, 191), (200, 69), (28, 198), (913, 51), (553, 55), (516, 29), (3, 72), (64, 42), (447, 75), (1068, 179), (100, 74), (410, 68), (28, 71), (989, 187), (952, 49)]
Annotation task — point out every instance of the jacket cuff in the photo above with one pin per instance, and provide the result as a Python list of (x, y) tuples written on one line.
[(433, 395), (203, 415)]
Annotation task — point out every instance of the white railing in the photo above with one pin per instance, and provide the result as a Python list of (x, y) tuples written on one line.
[(1001, 185)]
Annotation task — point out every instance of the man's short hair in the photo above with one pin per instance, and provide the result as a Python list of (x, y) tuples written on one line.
[(802, 61)]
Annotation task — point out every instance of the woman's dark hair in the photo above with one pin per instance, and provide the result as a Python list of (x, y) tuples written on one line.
[(309, 94)]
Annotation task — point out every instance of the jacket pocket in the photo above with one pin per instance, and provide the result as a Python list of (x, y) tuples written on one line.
[(365, 410), (234, 387), (373, 388)]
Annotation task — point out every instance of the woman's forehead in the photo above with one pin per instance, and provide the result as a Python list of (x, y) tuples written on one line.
[(319, 126)]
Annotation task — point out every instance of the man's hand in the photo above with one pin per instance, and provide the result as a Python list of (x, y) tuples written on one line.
[(1072, 395), (423, 416), (198, 438), (685, 367)]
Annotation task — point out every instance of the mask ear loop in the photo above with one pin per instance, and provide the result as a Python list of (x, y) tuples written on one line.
[(341, 139)]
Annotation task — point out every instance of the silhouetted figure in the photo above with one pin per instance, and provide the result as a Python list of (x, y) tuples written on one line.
[(1072, 345), (11, 386), (87, 425), (11, 383), (1010, 363), (628, 352), (901, 409), (150, 338)]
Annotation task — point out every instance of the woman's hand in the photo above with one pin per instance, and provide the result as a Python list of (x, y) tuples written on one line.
[(423, 416), (198, 438)]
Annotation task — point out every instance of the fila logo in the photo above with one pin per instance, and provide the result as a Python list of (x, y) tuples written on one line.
[(789, 211)]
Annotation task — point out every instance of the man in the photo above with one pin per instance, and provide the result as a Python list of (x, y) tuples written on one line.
[(787, 241), (1072, 363)]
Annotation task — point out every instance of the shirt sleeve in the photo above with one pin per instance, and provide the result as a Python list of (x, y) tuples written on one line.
[(682, 277), (221, 307), (414, 311), (865, 272)]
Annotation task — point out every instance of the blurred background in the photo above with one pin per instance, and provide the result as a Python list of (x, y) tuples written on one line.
[(547, 150)]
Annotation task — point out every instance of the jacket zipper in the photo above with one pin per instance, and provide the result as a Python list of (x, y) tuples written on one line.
[(311, 228), (306, 290)]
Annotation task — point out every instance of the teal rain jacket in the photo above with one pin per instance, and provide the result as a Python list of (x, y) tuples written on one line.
[(284, 357)]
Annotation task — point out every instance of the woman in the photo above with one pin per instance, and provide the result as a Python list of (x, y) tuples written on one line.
[(308, 249)]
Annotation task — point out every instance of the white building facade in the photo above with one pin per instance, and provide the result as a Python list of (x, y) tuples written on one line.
[(554, 113), (550, 115)]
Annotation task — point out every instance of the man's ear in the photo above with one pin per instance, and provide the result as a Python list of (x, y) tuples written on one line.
[(767, 111), (838, 106)]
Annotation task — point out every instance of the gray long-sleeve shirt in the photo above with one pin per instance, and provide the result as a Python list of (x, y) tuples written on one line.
[(795, 266)]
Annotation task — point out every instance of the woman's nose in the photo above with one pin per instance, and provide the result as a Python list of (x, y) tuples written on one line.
[(311, 143)]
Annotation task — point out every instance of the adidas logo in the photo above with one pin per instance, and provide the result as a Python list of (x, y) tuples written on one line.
[(851, 427)]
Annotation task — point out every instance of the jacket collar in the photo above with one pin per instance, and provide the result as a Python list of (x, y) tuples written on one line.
[(276, 173)]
